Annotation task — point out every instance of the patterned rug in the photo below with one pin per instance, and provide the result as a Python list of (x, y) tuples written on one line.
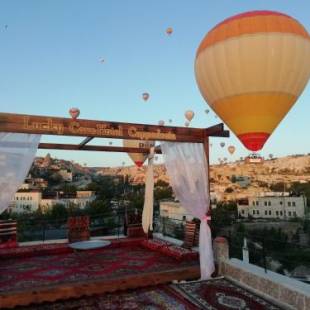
[(153, 298), (107, 263), (221, 294)]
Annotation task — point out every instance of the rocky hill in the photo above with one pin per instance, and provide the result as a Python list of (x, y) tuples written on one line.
[(289, 169)]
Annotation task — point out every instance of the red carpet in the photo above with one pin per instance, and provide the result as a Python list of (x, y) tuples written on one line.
[(221, 294), (152, 298), (45, 270)]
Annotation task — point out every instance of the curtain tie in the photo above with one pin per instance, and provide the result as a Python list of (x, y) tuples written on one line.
[(206, 218)]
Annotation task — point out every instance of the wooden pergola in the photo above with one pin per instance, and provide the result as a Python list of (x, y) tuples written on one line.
[(90, 129)]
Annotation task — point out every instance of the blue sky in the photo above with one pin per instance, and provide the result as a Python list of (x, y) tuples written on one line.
[(50, 62)]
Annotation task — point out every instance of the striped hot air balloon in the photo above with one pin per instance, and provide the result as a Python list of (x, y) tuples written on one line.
[(251, 68)]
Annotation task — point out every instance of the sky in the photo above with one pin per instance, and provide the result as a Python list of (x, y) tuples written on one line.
[(50, 61)]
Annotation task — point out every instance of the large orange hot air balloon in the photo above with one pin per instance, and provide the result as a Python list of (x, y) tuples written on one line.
[(138, 158), (251, 68)]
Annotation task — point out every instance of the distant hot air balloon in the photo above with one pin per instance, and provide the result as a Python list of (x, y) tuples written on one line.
[(74, 112), (102, 60), (169, 30), (225, 158), (270, 156), (186, 124), (161, 123), (207, 111), (251, 69), (170, 121), (231, 149), (145, 96), (110, 143), (189, 115), (138, 158), (222, 144)]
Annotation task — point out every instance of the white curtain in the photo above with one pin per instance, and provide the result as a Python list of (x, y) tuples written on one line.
[(187, 169), (147, 214), (17, 152)]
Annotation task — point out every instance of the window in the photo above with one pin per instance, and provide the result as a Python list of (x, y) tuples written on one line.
[(289, 203), (265, 203), (281, 213), (269, 203), (253, 211), (242, 211), (257, 212), (269, 212), (16, 198), (277, 213), (253, 203), (289, 213), (257, 203), (293, 203), (294, 213), (281, 203), (184, 218), (265, 212)]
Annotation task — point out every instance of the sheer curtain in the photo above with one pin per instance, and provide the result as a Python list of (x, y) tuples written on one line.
[(147, 214), (17, 152), (187, 169)]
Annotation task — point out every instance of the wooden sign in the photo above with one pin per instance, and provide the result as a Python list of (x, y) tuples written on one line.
[(90, 128)]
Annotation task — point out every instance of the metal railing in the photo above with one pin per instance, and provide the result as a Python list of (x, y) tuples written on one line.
[(42, 229), (169, 227)]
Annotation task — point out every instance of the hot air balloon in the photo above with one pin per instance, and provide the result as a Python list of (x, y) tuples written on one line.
[(74, 112), (102, 60), (145, 96), (222, 144), (170, 121), (161, 123), (270, 156), (110, 143), (189, 115), (207, 111), (138, 158), (169, 31), (251, 69), (231, 149), (186, 124)]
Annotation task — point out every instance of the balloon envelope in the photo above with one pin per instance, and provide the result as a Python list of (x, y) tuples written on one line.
[(161, 123), (189, 115), (74, 112), (231, 149), (186, 124), (169, 30), (145, 96), (222, 144), (251, 68), (138, 158)]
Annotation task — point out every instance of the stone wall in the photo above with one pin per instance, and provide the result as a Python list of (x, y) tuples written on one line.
[(282, 290)]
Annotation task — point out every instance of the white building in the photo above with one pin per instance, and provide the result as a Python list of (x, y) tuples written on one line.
[(26, 200), (174, 210), (273, 205), (29, 200), (66, 175)]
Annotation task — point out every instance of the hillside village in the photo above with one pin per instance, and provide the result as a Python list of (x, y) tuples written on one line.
[(229, 181)]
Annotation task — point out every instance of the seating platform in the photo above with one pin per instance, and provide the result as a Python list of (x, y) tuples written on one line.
[(39, 276)]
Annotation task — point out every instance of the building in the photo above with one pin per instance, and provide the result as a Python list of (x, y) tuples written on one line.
[(273, 205), (26, 200), (30, 200), (66, 175), (173, 210)]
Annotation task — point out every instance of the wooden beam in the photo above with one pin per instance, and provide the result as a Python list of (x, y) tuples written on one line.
[(23, 123), (217, 131), (85, 141), (74, 147)]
